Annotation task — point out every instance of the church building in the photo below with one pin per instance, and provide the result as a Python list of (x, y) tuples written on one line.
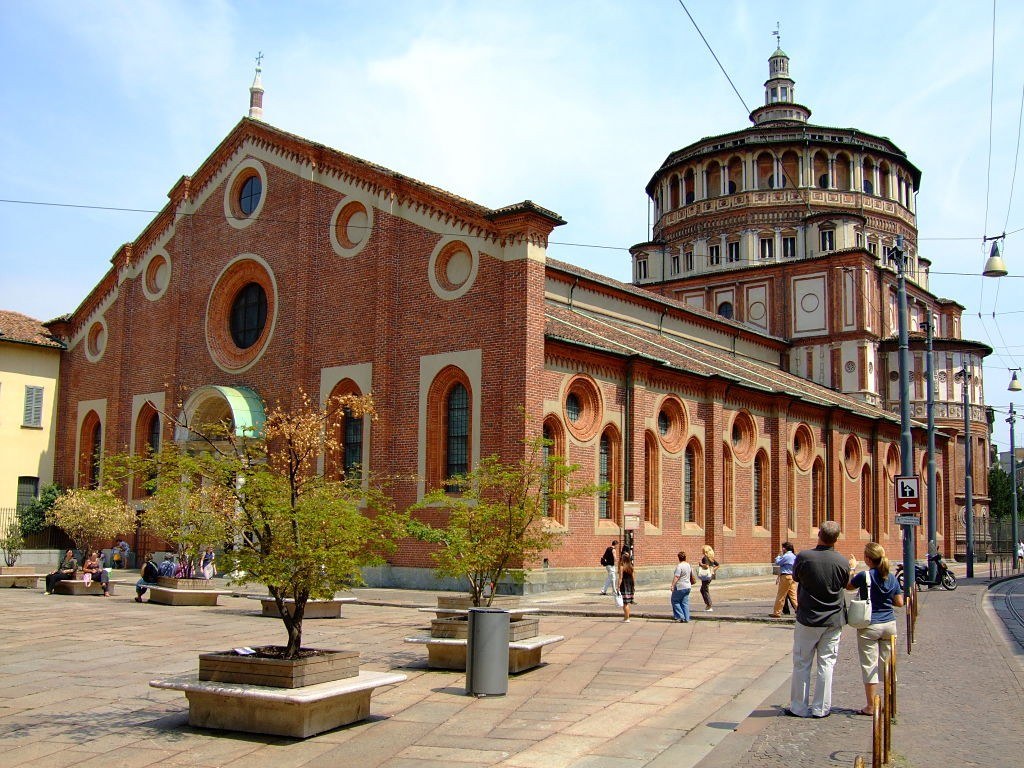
[(739, 392)]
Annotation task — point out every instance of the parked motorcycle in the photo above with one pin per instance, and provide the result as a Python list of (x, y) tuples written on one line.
[(943, 576)]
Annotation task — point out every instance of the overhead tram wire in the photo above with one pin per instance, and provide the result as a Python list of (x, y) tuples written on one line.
[(715, 56), (988, 170)]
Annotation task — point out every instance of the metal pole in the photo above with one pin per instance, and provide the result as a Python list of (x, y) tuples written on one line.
[(1013, 482), (906, 439), (968, 479), (933, 542)]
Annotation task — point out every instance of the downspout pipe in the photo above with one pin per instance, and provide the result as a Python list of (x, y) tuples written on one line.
[(627, 433)]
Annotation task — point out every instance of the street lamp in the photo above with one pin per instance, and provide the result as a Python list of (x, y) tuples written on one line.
[(965, 376), (1014, 381), (898, 257), (994, 265), (1012, 421)]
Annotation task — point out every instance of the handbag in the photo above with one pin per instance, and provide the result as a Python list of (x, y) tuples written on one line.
[(705, 574), (858, 615), (618, 601)]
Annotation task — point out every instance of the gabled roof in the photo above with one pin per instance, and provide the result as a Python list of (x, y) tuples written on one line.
[(619, 337), (22, 329)]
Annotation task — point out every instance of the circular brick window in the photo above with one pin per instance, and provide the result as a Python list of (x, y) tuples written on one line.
[(892, 462), (240, 313), (583, 407), (852, 456), (452, 269), (96, 341), (743, 436), (351, 226), (245, 193), (803, 447), (157, 276), (672, 425)]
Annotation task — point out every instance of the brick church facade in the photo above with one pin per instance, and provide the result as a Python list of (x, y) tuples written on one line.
[(283, 265)]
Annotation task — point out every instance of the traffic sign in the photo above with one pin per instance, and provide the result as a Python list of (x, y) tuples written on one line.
[(908, 520), (908, 496)]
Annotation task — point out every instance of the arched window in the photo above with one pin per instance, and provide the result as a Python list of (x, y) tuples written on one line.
[(90, 443), (554, 445), (817, 493), (790, 169), (688, 186), (821, 175), (761, 490), (457, 432), (765, 170), (147, 443), (725, 310), (787, 516), (735, 175), (449, 428), (609, 473), (689, 486), (673, 187), (652, 479), (865, 500), (346, 461), (714, 179), (728, 519), (842, 168)]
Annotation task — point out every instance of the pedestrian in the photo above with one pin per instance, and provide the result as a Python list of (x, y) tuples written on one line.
[(208, 565), (873, 643), (706, 570), (125, 551), (1020, 554), (66, 570), (627, 587), (150, 574), (682, 582), (168, 567), (786, 591), (821, 575), (93, 566), (608, 560)]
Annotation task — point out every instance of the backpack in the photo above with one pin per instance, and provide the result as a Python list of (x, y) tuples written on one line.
[(166, 568), (608, 558), (150, 572)]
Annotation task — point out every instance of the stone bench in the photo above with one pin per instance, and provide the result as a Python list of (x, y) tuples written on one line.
[(30, 580), (514, 614), (78, 586), (294, 712), (315, 609), (450, 653), (194, 597)]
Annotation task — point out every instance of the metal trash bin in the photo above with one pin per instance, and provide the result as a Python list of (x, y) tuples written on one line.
[(487, 652)]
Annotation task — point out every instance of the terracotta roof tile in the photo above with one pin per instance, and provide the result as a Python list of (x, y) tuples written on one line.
[(23, 329)]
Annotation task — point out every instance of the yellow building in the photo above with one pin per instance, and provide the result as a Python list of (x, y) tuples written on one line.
[(29, 364)]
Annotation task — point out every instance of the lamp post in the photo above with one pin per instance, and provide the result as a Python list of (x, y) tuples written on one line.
[(1014, 532), (898, 256), (933, 542), (965, 376)]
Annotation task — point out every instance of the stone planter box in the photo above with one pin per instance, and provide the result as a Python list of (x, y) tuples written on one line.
[(326, 666), (172, 583), (458, 628), (18, 570), (315, 609), (465, 602)]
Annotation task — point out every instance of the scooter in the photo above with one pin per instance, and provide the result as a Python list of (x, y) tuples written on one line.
[(943, 576)]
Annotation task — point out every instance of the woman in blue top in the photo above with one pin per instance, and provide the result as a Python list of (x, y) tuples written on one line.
[(873, 642)]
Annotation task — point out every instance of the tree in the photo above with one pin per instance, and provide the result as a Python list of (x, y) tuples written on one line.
[(301, 534), (32, 517), (497, 523), (90, 516), (1000, 489), (11, 543)]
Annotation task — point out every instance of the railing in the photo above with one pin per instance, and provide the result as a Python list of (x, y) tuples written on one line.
[(48, 538), (884, 713)]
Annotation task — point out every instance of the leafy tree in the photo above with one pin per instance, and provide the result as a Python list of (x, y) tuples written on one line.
[(498, 521), (1000, 489), (11, 543), (303, 535), (32, 518), (90, 516)]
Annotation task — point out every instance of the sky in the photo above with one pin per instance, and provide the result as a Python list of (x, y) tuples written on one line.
[(571, 104)]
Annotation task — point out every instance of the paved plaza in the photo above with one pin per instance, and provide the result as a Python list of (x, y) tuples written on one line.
[(74, 686)]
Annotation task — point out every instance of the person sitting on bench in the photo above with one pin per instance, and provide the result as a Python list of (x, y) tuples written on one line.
[(149, 576), (94, 567), (66, 570)]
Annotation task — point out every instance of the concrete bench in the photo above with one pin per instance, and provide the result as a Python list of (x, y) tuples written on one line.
[(30, 580), (315, 609), (450, 653), (170, 596), (515, 614), (77, 586), (295, 712)]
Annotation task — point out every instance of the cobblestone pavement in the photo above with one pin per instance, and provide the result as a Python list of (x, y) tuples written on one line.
[(74, 689)]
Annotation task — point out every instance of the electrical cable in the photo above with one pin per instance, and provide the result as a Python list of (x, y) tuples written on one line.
[(734, 88)]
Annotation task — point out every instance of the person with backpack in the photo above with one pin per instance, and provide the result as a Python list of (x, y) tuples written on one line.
[(150, 574), (608, 560)]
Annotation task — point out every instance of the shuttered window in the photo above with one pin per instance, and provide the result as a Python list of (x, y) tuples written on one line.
[(33, 407)]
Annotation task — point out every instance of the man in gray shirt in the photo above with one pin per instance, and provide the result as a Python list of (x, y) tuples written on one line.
[(821, 575)]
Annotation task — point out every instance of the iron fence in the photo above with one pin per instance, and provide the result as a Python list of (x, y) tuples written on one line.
[(48, 538)]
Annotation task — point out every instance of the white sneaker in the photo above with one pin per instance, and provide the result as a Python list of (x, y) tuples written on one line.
[(625, 621), (708, 610)]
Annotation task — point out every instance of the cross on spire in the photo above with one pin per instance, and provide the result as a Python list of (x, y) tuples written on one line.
[(778, 36), (259, 59)]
